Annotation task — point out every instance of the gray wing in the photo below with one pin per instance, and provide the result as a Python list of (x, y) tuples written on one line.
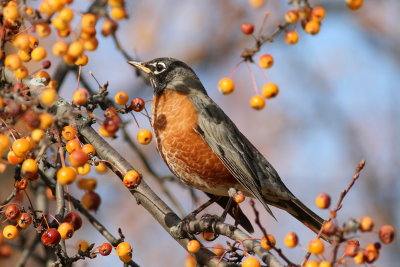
[(240, 157)]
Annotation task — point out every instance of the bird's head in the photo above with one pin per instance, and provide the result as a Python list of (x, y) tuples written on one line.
[(170, 73)]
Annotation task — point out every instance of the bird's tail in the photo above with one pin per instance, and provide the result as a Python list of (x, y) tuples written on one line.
[(302, 213)]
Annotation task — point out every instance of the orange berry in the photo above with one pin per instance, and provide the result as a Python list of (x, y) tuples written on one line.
[(323, 201), (103, 132), (371, 252), (34, 42), (193, 246), (66, 175), (48, 96), (91, 44), (291, 240), (109, 27), (312, 27), (59, 23), (121, 98), (270, 90), (329, 228), (132, 179), (324, 264), (101, 167), (352, 248), (292, 16), (10, 232), (72, 145), (144, 137), (115, 3), (190, 261), (316, 246), (78, 158), (46, 120), (88, 184), (21, 72), (30, 165), (10, 12), (82, 245), (42, 29), (80, 97), (239, 196), (53, 84), (123, 249), (70, 60), (256, 3), (66, 14), (44, 76), (207, 236), (266, 61), (38, 53), (21, 41), (91, 200), (66, 230), (118, 13), (88, 20), (359, 258), (89, 149), (257, 102), (68, 132), (366, 224), (251, 262), (354, 4), (21, 147), (292, 37), (75, 49), (14, 159), (387, 234), (24, 55), (4, 142), (247, 28), (50, 194), (82, 60), (226, 86), (83, 170), (12, 61), (311, 263), (60, 48), (318, 13), (265, 244), (126, 258), (24, 220)]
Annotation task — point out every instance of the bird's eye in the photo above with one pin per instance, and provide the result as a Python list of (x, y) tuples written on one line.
[(160, 67)]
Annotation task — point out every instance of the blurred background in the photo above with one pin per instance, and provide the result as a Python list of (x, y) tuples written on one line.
[(338, 104)]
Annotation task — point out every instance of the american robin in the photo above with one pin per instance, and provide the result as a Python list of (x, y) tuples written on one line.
[(204, 148)]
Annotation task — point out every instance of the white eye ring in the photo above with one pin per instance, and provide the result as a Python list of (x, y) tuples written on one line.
[(159, 67)]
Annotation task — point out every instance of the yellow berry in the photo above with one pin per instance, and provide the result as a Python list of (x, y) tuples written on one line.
[(292, 37), (132, 179), (88, 184), (82, 60), (66, 175), (366, 224), (124, 249), (4, 142), (66, 230), (265, 244), (266, 61), (24, 55), (121, 98), (42, 29), (21, 41), (359, 258), (311, 263), (66, 14), (270, 90), (60, 48), (38, 53), (88, 20), (14, 159), (257, 102), (251, 262), (318, 13), (12, 61), (68, 132), (144, 137), (118, 13), (21, 147), (44, 76), (80, 97), (324, 264), (101, 167), (10, 12), (323, 201), (103, 132), (75, 49), (82, 245), (29, 165), (126, 258), (37, 135), (226, 86), (291, 240), (10, 232), (316, 246), (193, 246), (91, 44), (292, 16), (21, 72), (83, 170), (46, 120), (312, 27)]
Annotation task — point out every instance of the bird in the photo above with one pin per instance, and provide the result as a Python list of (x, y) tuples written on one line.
[(203, 147)]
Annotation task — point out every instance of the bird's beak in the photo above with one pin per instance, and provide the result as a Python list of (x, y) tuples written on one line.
[(140, 66)]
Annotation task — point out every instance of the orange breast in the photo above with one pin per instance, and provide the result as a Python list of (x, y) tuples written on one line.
[(188, 156)]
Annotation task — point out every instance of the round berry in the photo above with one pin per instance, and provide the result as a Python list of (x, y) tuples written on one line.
[(12, 212), (123, 249), (329, 228), (68, 132), (75, 49), (144, 137), (251, 262), (80, 97), (78, 158), (72, 145), (257, 102), (121, 98), (292, 37), (66, 230), (268, 244), (132, 179), (311, 263), (109, 27), (74, 219), (193, 246), (51, 237), (91, 200), (291, 240), (352, 248), (60, 48), (66, 175), (256, 3), (247, 28), (354, 4), (12, 61), (4, 143), (14, 159), (105, 249), (89, 20), (89, 149), (239, 196), (42, 29), (366, 224), (318, 13), (38, 53), (10, 232), (21, 41), (101, 167), (316, 246), (266, 61), (137, 104), (219, 250), (118, 13), (292, 16), (82, 245), (48, 96), (312, 27), (21, 147), (270, 90), (30, 165), (323, 201), (11, 12), (387, 234), (24, 220), (88, 184), (21, 72), (226, 86), (37, 135), (66, 14), (83, 170), (24, 55)]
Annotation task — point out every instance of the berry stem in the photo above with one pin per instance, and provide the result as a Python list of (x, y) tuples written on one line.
[(235, 69), (253, 78)]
